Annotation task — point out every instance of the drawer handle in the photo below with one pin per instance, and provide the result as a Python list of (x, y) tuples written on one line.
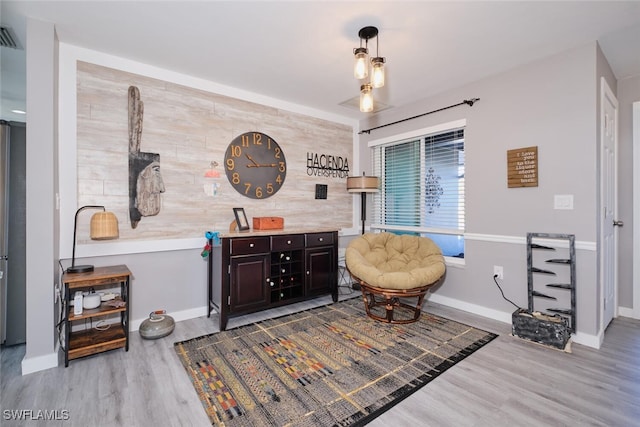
[(251, 245), (320, 239), (288, 242)]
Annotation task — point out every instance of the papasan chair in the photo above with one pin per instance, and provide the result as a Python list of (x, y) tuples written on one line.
[(393, 270)]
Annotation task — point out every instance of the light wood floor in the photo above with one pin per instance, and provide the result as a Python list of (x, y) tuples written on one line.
[(510, 382)]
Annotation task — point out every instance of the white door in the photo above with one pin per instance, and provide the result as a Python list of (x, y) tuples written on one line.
[(608, 182)]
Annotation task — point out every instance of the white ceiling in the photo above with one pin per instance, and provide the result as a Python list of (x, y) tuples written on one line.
[(301, 51)]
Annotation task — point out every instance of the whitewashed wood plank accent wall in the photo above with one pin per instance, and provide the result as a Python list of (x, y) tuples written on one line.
[(190, 128)]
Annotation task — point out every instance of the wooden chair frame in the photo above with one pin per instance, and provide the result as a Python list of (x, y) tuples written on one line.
[(391, 299)]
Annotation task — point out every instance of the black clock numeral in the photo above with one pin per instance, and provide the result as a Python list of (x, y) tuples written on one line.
[(277, 156), (245, 140), (231, 164), (257, 138)]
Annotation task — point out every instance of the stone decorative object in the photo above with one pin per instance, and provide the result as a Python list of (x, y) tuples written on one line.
[(541, 328), (158, 325)]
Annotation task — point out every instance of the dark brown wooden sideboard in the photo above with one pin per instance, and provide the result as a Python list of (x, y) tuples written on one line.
[(254, 271)]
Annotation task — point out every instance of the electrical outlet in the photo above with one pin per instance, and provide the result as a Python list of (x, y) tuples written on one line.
[(497, 271), (57, 293)]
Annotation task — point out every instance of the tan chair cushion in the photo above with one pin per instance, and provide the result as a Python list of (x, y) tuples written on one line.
[(392, 261)]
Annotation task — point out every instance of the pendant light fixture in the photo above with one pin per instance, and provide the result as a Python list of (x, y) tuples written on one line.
[(361, 68), (377, 72), (366, 98)]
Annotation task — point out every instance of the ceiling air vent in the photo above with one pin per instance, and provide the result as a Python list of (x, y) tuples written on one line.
[(354, 103), (6, 38)]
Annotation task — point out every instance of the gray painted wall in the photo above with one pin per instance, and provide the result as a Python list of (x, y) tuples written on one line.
[(175, 281), (41, 243), (552, 104)]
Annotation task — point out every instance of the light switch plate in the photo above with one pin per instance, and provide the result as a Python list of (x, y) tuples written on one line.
[(563, 201), (321, 191)]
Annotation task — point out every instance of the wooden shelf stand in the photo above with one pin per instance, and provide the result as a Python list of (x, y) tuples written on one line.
[(92, 341)]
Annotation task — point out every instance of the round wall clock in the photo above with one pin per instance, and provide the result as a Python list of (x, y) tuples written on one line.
[(255, 165)]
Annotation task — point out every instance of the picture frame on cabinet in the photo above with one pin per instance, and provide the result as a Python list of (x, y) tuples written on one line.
[(241, 219)]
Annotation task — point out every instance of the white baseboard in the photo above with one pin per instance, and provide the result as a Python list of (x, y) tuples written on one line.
[(594, 341), (47, 361), (627, 312), (39, 363), (500, 316), (177, 316)]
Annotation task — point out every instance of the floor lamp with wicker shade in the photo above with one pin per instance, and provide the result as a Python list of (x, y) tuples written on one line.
[(363, 185)]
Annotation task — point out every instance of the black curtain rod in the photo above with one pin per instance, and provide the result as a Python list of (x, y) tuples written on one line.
[(468, 102)]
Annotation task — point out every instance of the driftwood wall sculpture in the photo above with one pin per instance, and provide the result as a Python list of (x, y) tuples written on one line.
[(145, 180)]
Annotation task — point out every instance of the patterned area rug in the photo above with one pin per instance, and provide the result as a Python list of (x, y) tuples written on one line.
[(326, 366)]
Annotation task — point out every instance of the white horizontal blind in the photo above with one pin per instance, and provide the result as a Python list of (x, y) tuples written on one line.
[(444, 180), (422, 183), (398, 166)]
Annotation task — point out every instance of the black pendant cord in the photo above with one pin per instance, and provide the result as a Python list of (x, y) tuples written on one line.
[(468, 102)]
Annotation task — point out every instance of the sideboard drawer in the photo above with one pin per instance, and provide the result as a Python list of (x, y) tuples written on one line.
[(319, 239), (249, 245), (287, 242)]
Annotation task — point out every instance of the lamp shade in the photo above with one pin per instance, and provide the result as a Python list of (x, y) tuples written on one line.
[(377, 70), (366, 98), (362, 184), (361, 66), (104, 226)]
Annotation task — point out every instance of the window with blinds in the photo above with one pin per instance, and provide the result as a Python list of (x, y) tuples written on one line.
[(422, 188)]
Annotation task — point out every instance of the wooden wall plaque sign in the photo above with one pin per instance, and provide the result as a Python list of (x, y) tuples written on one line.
[(522, 167)]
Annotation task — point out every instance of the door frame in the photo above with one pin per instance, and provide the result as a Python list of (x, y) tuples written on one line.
[(606, 92), (4, 212), (636, 209)]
